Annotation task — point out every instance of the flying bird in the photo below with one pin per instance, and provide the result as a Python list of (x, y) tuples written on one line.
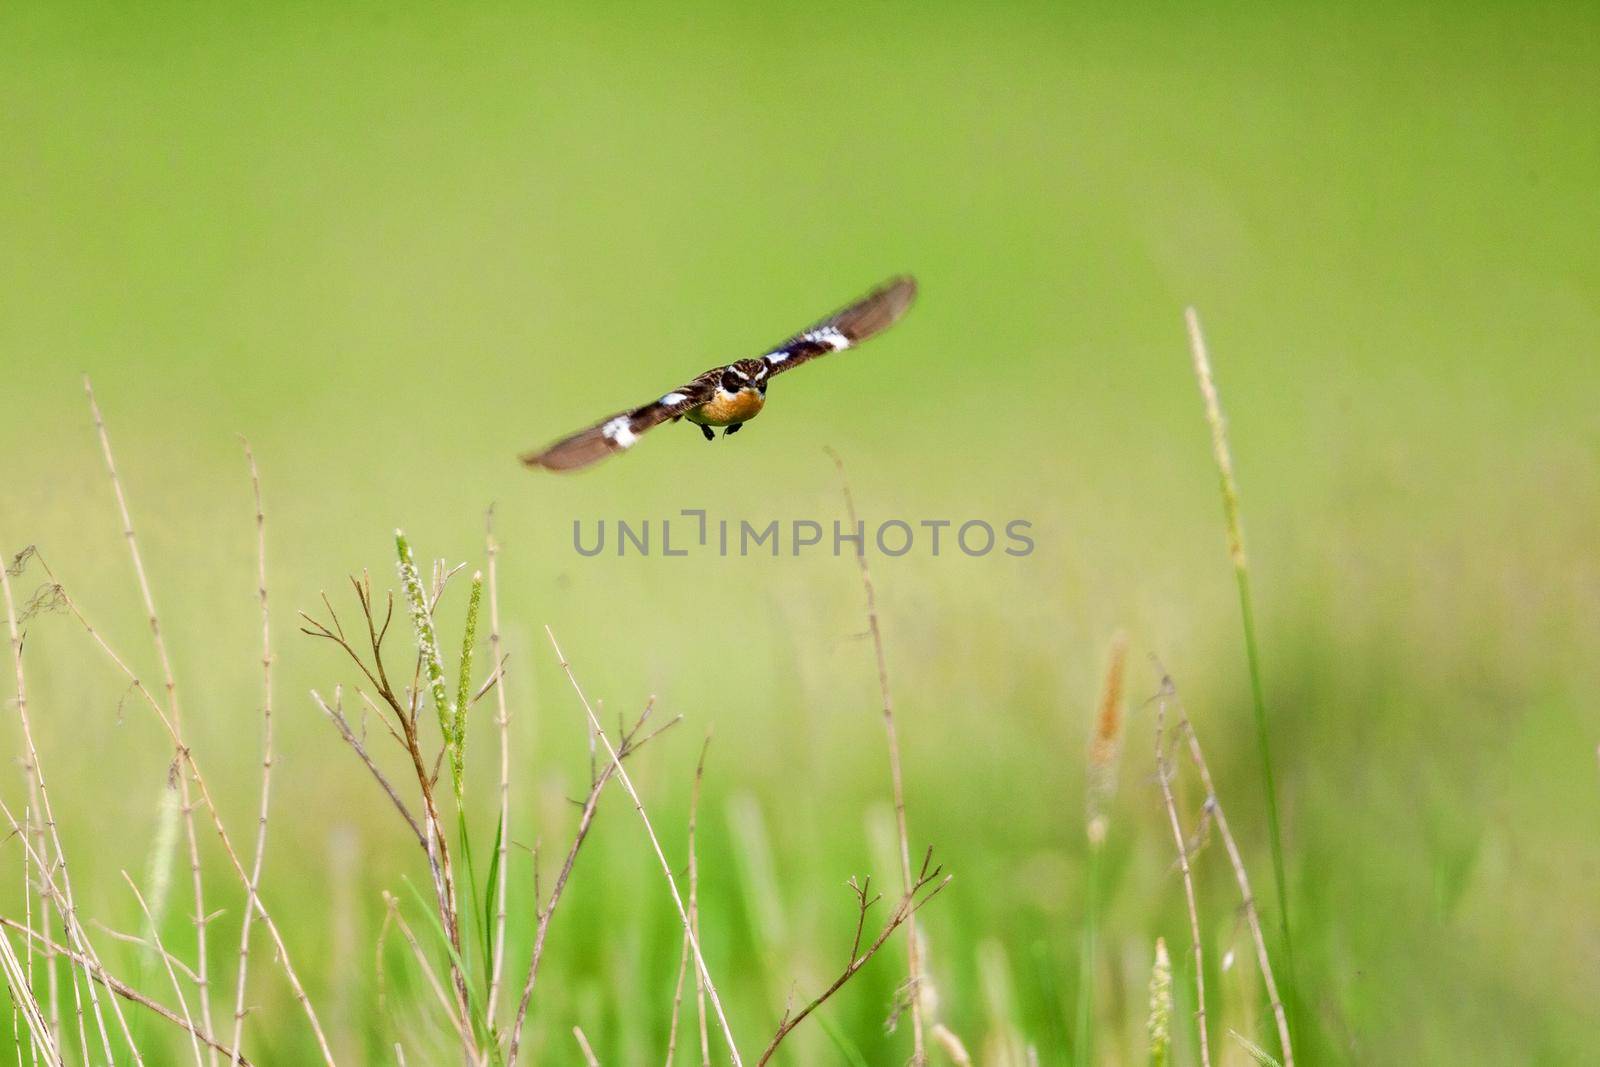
[(732, 395)]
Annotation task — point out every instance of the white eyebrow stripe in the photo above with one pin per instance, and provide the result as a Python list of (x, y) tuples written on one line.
[(618, 431), (740, 373)]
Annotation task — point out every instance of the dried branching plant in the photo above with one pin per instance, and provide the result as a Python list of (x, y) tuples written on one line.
[(914, 992), (1212, 814), (47, 859)]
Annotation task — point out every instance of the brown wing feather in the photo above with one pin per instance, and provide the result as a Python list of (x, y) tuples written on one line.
[(619, 432), (847, 327)]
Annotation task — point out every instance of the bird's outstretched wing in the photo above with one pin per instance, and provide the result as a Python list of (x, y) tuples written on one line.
[(847, 327), (619, 432)]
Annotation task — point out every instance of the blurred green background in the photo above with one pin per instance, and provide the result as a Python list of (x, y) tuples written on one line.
[(394, 245)]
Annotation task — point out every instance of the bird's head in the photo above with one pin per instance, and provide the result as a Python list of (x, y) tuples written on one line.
[(746, 374)]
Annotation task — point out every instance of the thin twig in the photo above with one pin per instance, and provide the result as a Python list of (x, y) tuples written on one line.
[(694, 924), (913, 949), (462, 1030), (173, 708), (336, 715), (503, 720), (1164, 776), (254, 885), (666, 868), (18, 981), (121, 988), (694, 900), (64, 903), (144, 943), (186, 757), (431, 829), (908, 906), (177, 987), (546, 912), (78, 935), (1213, 805)]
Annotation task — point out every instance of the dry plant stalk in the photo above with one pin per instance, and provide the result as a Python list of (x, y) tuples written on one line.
[(952, 1045), (1241, 574), (694, 925), (405, 727), (630, 743), (462, 1026), (19, 981), (60, 897), (120, 988), (908, 905), (583, 1044), (174, 710), (503, 721), (913, 960), (185, 765), (166, 958), (254, 884), (694, 905), (1213, 808), (666, 868), (1164, 776)]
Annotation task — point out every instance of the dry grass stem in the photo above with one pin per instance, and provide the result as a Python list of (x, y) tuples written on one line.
[(952, 1045), (462, 1029), (1241, 573), (666, 868), (503, 721), (1164, 776), (694, 924), (19, 980), (909, 904), (254, 884), (1219, 818), (402, 715), (913, 949), (186, 759), (166, 957), (61, 898), (631, 742), (174, 709), (583, 1045), (335, 714), (121, 988)]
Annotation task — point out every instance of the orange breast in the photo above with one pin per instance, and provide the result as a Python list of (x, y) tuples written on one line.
[(725, 409)]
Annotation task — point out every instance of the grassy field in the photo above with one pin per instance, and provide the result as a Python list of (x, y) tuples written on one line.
[(396, 246)]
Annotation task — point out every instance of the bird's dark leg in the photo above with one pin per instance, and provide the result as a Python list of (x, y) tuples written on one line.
[(707, 431), (731, 430)]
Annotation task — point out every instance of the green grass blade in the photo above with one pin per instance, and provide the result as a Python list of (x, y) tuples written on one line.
[(474, 994), (1241, 570), (847, 1048), (489, 891)]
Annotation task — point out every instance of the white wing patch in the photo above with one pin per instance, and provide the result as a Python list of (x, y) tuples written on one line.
[(829, 336), (672, 399), (617, 430)]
